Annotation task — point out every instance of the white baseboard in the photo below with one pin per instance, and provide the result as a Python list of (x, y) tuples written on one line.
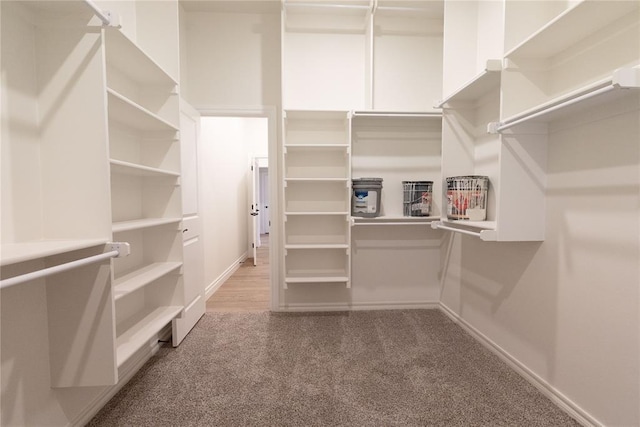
[(126, 372), (562, 401), (403, 305), (215, 285)]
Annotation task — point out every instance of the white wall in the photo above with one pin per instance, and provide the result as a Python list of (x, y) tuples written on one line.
[(567, 308), (226, 145), (232, 59)]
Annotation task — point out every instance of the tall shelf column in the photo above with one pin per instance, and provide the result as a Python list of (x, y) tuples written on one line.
[(143, 120), (317, 190)]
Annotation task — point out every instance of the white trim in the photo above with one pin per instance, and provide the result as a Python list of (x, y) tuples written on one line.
[(401, 305), (559, 399), (271, 112), (215, 285)]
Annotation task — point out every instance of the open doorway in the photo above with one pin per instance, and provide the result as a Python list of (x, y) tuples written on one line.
[(235, 187)]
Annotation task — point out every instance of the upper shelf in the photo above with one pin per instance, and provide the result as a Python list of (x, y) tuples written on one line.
[(127, 168), (315, 114), (399, 114), (621, 83), (481, 84), (573, 25), (12, 253), (126, 56), (123, 110)]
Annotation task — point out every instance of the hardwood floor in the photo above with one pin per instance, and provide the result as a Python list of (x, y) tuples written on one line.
[(248, 288)]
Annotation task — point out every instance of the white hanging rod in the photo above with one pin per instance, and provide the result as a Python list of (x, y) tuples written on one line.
[(547, 110), (440, 226), (117, 250), (622, 78), (109, 19)]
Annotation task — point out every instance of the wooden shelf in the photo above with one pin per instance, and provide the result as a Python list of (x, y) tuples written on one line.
[(576, 23), (624, 82), (141, 277), (123, 110), (137, 224), (485, 82), (12, 253), (127, 168), (124, 55), (142, 329)]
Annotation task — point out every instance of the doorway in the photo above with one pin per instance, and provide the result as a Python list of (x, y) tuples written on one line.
[(233, 144)]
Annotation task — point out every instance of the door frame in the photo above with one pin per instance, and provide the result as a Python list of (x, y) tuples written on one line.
[(270, 112)]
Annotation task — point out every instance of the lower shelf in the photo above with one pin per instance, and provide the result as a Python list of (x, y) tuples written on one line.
[(317, 279), (142, 330), (141, 277)]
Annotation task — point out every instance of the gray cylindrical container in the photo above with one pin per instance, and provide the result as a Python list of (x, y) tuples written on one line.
[(417, 198), (367, 193)]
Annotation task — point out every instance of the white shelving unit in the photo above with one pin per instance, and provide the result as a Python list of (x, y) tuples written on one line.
[(516, 168), (55, 206), (406, 55), (316, 194), (143, 117), (581, 46), (397, 147), (388, 59)]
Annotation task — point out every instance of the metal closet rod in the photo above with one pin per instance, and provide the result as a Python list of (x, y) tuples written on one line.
[(118, 250), (439, 226), (546, 110), (109, 19)]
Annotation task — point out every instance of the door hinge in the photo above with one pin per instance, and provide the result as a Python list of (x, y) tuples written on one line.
[(253, 245)]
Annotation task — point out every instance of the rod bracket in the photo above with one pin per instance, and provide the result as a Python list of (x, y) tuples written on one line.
[(123, 248)]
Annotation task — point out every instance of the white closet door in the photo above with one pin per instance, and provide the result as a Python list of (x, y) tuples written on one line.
[(193, 267)]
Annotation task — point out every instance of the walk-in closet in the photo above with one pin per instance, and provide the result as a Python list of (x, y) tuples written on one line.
[(475, 158)]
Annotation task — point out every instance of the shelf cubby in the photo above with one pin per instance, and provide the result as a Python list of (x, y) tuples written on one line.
[(406, 55), (317, 265), (141, 277), (396, 148), (136, 332)]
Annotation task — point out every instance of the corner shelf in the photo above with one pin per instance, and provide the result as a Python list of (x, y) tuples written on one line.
[(483, 83)]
